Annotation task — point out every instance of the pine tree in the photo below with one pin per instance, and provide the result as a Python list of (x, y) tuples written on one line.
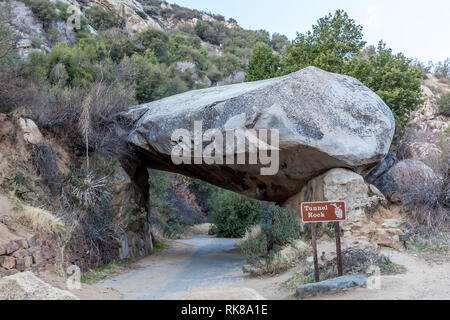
[(264, 64)]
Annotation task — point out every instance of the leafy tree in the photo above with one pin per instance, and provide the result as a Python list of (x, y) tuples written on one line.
[(102, 19), (444, 104), (152, 10), (335, 44), (157, 81), (334, 40), (119, 44), (44, 10), (214, 74), (155, 40), (279, 227), (161, 208), (233, 214), (233, 21), (443, 69), (7, 43), (228, 64), (392, 77), (213, 33), (279, 42), (264, 64)]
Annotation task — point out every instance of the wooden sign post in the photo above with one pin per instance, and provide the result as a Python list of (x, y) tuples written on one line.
[(330, 211)]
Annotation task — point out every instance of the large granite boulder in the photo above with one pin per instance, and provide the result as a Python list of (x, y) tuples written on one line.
[(382, 168), (325, 121), (408, 178), (26, 286), (369, 220)]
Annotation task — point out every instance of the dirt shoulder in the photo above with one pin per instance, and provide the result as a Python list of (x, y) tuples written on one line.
[(423, 280), (87, 291)]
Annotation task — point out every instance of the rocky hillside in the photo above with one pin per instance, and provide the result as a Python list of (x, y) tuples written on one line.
[(142, 14), (40, 24)]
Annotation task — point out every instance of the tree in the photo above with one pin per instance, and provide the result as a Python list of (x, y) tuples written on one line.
[(392, 77), (443, 69), (7, 42), (155, 40), (228, 64), (44, 10), (264, 64), (444, 104), (102, 19), (279, 42), (334, 40), (233, 21)]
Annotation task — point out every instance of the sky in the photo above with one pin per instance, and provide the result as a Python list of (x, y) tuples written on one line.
[(418, 28)]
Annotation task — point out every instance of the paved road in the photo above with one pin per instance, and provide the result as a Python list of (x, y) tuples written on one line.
[(200, 262)]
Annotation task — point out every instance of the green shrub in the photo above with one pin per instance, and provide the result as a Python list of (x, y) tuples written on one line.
[(44, 10), (279, 231), (154, 40), (142, 14), (152, 10), (7, 43), (228, 64), (392, 77), (444, 104), (161, 209), (102, 19), (279, 42), (233, 214), (280, 228), (157, 81), (264, 64)]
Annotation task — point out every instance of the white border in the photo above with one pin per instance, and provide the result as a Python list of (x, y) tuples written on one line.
[(315, 202)]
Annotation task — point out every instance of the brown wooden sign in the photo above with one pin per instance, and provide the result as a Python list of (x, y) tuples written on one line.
[(330, 211)]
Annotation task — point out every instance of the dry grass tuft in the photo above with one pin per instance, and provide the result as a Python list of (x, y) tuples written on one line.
[(251, 234), (285, 258), (38, 219)]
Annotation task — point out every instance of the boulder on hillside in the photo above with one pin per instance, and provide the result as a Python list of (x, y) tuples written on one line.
[(381, 168), (31, 132), (405, 175), (426, 152), (324, 121)]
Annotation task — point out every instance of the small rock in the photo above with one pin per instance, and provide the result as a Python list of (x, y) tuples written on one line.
[(7, 262), (391, 224), (332, 285), (31, 133), (24, 263), (20, 254), (23, 243), (11, 247)]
